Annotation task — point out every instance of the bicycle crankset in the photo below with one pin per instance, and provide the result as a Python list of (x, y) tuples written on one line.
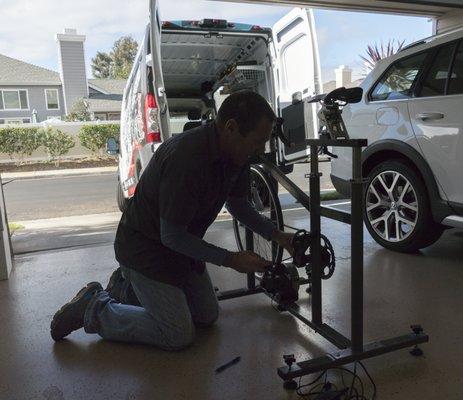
[(301, 244), (282, 281)]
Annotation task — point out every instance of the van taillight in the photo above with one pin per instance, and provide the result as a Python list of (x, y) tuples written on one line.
[(152, 129)]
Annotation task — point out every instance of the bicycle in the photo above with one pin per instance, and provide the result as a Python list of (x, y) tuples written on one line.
[(263, 190)]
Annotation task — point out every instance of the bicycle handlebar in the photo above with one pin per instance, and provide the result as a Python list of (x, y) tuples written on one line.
[(351, 95), (329, 114)]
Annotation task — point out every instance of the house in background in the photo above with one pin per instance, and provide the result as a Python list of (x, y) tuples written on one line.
[(343, 79), (105, 98), (24, 88), (29, 93)]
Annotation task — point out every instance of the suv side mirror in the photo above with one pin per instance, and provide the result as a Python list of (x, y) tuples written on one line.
[(112, 146)]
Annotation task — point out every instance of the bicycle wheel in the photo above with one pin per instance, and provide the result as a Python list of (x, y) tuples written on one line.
[(265, 200)]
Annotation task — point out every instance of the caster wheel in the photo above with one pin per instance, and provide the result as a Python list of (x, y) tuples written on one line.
[(290, 385), (417, 352)]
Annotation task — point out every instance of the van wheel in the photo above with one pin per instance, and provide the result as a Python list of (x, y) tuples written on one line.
[(397, 211), (121, 200)]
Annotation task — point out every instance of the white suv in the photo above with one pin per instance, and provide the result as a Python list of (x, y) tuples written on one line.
[(412, 115)]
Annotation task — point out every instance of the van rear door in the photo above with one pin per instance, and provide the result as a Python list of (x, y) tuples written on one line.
[(156, 64), (298, 70)]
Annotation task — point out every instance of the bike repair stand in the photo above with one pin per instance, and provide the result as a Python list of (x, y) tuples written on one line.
[(350, 350)]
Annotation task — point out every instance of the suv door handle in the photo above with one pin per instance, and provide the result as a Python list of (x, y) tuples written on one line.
[(425, 116)]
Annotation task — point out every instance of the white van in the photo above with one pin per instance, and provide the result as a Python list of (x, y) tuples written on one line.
[(184, 69)]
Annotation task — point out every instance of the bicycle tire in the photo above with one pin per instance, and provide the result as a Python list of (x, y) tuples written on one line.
[(259, 180)]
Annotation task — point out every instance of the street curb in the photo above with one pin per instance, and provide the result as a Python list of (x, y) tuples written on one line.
[(57, 172), (65, 172), (92, 220), (82, 221), (73, 221)]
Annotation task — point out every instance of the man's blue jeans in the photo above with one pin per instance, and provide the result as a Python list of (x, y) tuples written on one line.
[(168, 315)]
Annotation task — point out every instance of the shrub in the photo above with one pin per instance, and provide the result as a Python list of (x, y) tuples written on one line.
[(19, 141), (79, 111), (56, 143), (94, 137)]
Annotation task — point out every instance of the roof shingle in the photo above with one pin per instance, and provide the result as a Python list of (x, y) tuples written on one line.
[(111, 86), (16, 72)]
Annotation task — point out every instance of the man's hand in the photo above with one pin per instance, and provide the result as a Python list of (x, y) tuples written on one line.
[(284, 239), (246, 262)]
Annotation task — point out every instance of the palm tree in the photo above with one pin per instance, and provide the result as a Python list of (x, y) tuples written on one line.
[(376, 53)]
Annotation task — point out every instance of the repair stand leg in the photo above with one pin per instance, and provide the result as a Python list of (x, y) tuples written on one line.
[(249, 238), (315, 230), (273, 215), (357, 251)]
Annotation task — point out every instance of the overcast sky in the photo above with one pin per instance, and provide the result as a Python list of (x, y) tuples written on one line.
[(28, 27)]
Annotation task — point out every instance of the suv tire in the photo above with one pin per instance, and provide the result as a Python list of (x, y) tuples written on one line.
[(397, 211)]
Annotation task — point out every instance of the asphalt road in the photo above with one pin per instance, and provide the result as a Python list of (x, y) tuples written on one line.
[(30, 199), (39, 198)]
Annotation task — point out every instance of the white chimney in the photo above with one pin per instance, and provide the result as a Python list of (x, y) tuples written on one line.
[(343, 76), (72, 66)]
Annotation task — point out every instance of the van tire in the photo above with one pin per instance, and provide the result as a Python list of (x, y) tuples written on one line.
[(121, 200)]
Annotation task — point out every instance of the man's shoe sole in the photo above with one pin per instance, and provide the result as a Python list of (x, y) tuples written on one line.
[(78, 297)]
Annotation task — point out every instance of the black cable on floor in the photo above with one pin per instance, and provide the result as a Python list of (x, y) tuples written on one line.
[(354, 391), (370, 378)]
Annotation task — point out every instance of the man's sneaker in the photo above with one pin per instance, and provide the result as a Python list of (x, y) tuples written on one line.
[(70, 317)]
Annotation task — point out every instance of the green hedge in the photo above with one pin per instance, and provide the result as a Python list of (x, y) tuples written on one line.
[(94, 137), (20, 141), (56, 143)]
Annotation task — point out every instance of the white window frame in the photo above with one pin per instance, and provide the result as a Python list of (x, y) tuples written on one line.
[(46, 100), (108, 115), (8, 120), (54, 116), (15, 109), (101, 114)]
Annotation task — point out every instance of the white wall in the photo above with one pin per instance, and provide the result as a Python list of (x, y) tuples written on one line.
[(449, 21)]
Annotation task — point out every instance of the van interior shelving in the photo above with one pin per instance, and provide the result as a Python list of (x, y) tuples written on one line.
[(195, 65)]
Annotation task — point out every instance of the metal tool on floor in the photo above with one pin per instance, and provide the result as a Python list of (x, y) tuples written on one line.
[(282, 282), (223, 367)]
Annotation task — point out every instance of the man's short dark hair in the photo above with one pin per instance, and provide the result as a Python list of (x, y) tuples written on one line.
[(247, 108)]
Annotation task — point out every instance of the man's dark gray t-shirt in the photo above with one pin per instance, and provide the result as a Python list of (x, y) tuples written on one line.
[(186, 183)]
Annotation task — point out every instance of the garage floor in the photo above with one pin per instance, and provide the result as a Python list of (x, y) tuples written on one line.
[(400, 290)]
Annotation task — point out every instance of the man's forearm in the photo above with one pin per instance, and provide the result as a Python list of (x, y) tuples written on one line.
[(177, 238), (244, 212)]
